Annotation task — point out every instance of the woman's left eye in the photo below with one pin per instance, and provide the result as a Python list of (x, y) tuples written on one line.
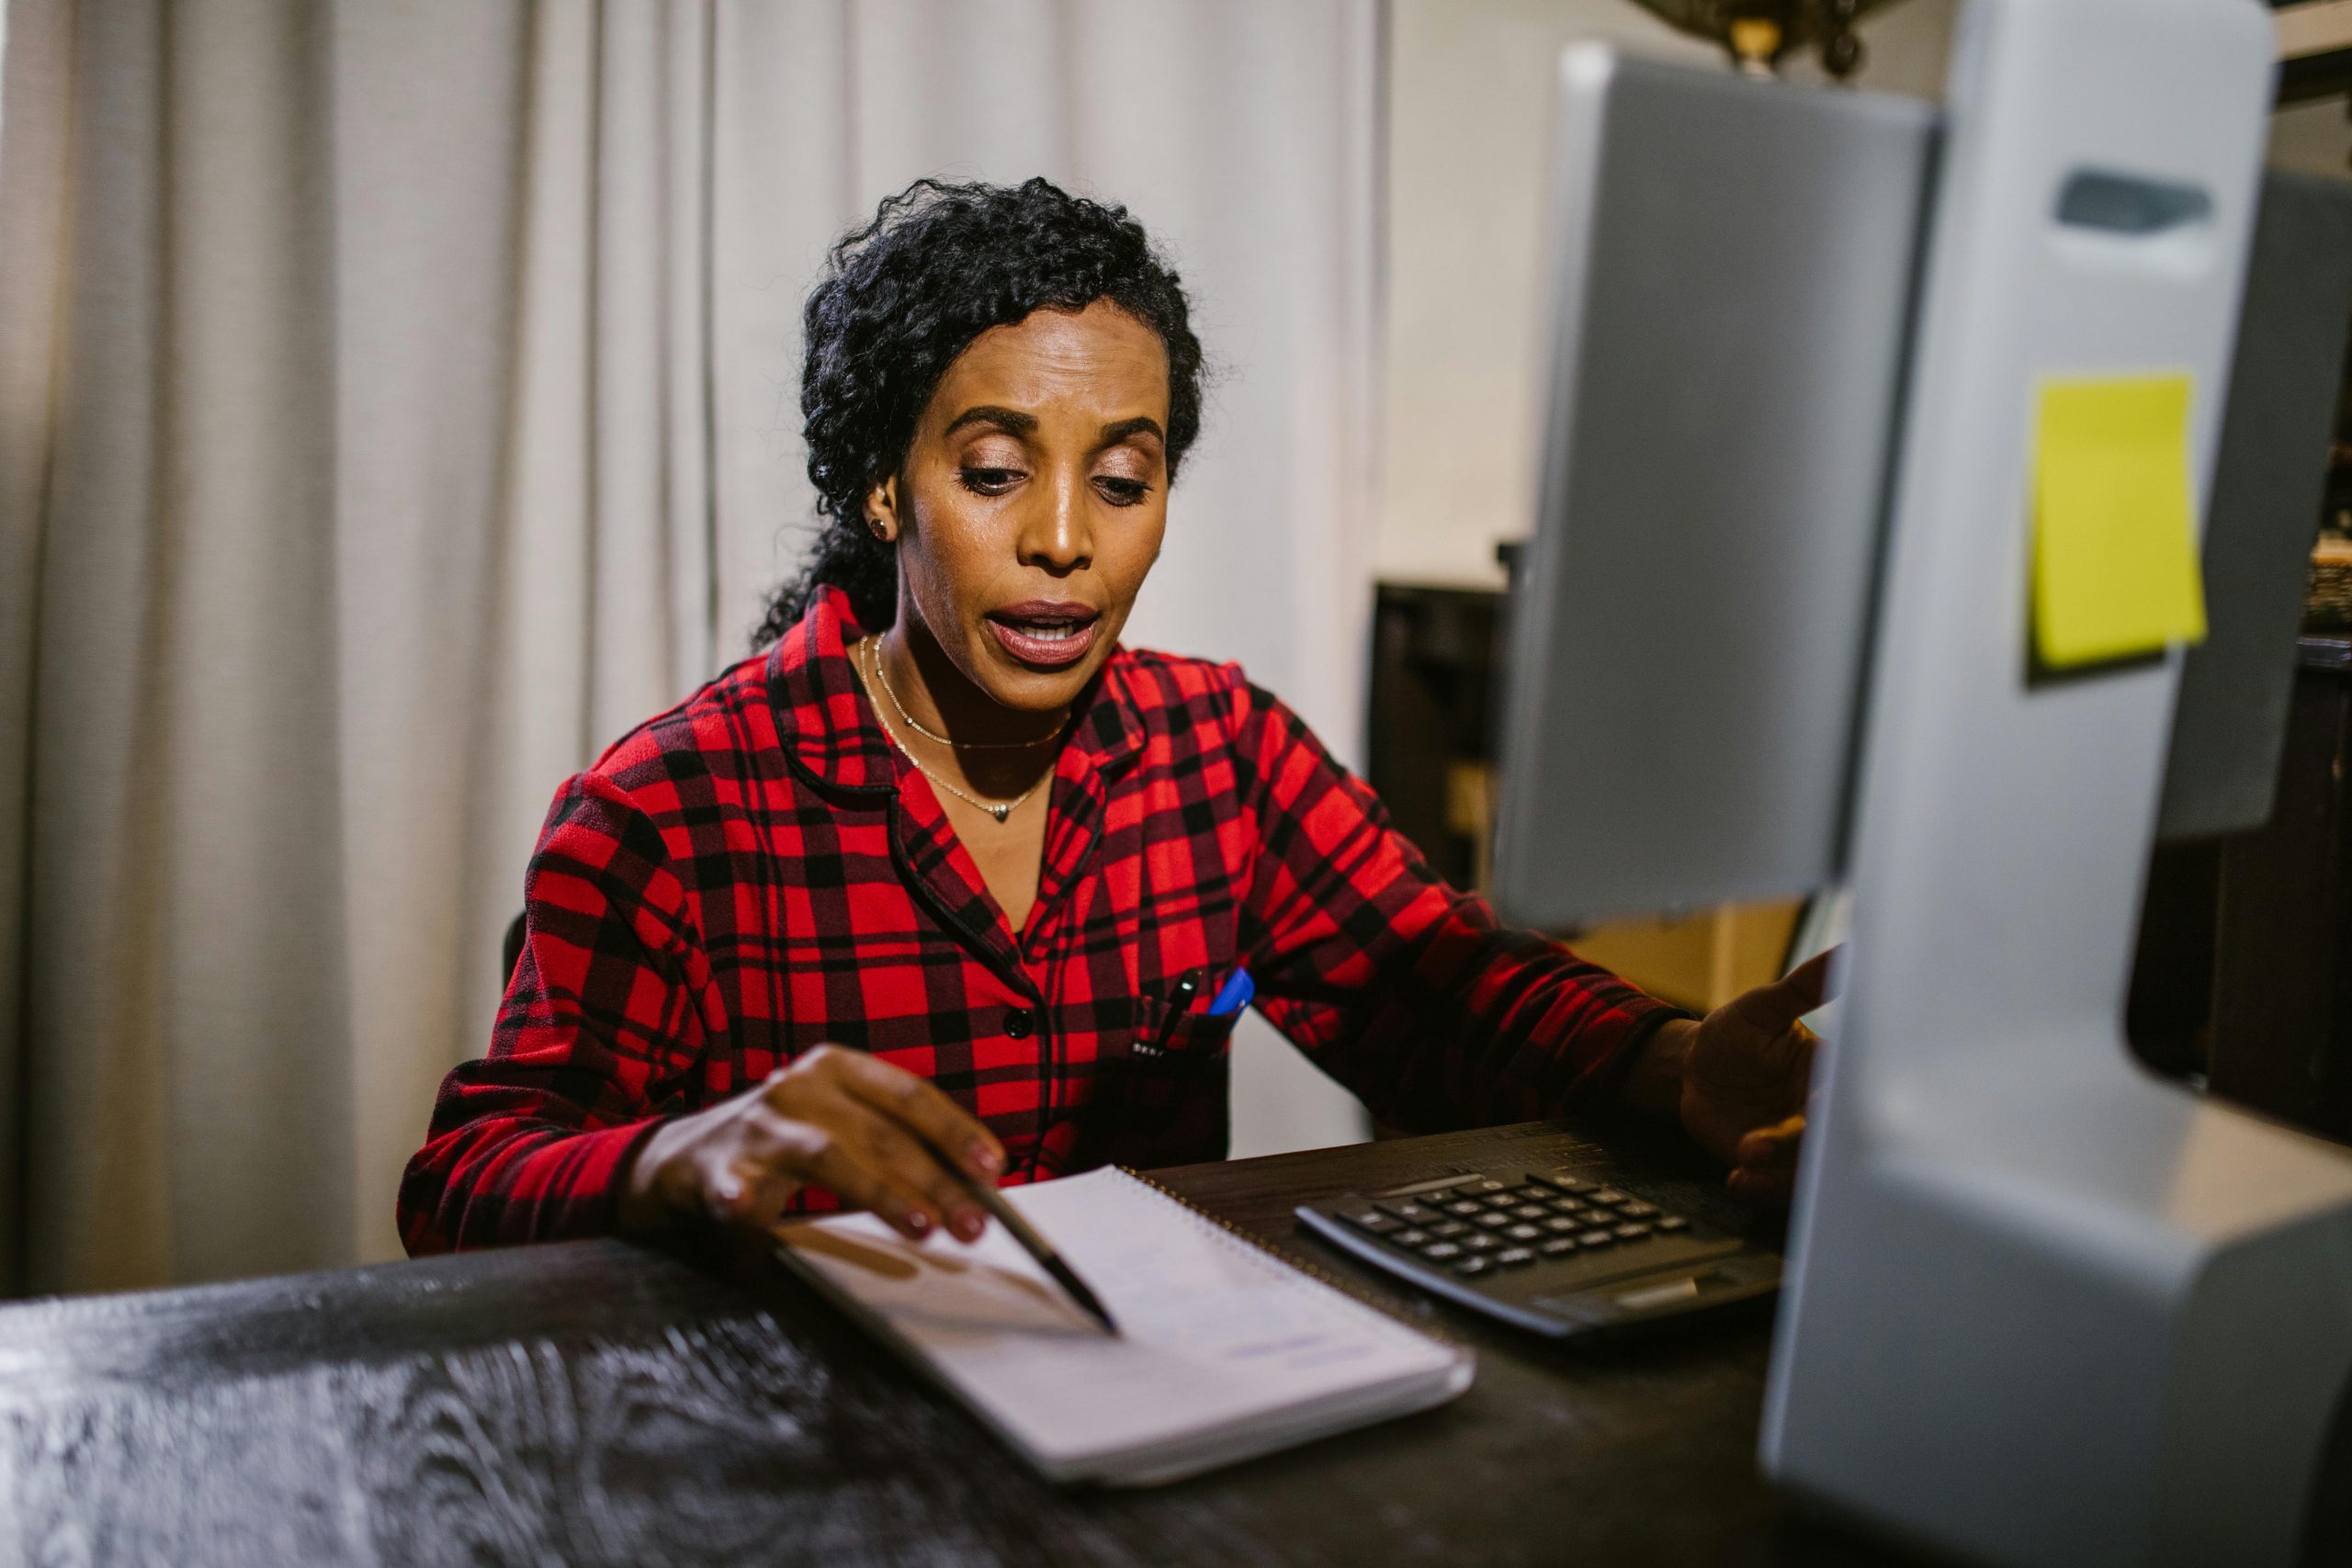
[(1122, 493), (990, 481)]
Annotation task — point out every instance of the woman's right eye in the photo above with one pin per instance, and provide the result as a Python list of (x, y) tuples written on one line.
[(989, 481)]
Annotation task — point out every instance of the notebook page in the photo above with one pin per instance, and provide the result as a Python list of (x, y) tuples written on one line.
[(1214, 1332)]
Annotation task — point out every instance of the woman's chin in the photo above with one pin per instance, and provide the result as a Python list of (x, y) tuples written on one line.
[(1014, 682)]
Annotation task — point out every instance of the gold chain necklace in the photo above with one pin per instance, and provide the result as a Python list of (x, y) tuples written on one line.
[(875, 645), (999, 809)]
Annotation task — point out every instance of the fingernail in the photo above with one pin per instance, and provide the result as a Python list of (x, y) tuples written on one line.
[(919, 1222), (987, 1158), (969, 1223)]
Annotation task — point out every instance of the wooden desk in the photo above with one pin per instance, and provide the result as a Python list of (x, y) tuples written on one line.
[(601, 1402)]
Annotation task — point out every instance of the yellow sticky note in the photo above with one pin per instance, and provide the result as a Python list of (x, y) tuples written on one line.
[(2115, 566)]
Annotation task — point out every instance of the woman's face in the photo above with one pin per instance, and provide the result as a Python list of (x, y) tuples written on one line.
[(1033, 502)]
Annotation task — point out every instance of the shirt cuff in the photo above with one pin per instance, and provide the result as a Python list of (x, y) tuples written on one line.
[(1605, 1083), (577, 1179)]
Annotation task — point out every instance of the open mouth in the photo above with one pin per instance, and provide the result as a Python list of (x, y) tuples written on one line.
[(1045, 632)]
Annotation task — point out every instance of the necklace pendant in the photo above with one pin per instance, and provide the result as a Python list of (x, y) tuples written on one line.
[(999, 812)]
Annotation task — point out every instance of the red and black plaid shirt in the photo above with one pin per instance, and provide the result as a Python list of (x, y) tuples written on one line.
[(759, 870)]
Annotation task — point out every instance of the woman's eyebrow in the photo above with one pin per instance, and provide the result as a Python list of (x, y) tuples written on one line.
[(1012, 422), (1142, 424)]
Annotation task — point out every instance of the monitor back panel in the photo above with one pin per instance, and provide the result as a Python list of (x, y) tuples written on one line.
[(1731, 265), (2269, 484)]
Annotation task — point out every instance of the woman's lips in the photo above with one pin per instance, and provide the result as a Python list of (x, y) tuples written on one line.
[(1044, 633)]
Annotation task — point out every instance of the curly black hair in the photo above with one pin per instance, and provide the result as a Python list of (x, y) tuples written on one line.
[(901, 297)]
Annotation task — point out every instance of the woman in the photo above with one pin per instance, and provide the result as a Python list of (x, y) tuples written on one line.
[(930, 870)]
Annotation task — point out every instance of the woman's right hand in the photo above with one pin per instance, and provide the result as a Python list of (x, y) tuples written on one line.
[(832, 1118)]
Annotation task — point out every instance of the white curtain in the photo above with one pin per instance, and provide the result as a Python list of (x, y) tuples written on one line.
[(397, 402)]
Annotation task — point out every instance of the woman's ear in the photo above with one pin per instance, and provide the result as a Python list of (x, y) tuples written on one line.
[(882, 510)]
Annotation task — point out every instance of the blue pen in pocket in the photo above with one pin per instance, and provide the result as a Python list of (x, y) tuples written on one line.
[(1234, 995)]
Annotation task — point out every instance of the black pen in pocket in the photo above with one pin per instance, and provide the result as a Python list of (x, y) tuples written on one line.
[(1180, 997)]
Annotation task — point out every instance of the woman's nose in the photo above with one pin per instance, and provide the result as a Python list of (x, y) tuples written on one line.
[(1057, 534)]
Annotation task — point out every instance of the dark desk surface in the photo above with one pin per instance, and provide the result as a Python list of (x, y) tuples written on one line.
[(598, 1403)]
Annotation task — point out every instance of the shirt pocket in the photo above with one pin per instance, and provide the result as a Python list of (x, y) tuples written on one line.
[(1186, 1042), (1161, 1096), (1177, 1070)]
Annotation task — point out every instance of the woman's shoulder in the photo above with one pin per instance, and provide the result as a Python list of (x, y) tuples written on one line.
[(1176, 690), (715, 729), (1172, 693)]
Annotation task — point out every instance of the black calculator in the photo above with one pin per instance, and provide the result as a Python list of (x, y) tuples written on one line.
[(1556, 1252)]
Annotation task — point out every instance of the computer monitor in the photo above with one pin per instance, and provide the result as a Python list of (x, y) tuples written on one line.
[(1730, 266), (1774, 629), (1725, 368)]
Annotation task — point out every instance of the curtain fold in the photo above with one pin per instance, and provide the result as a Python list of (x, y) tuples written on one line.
[(397, 404)]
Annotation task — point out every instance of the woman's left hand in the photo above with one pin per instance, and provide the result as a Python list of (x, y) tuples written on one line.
[(1737, 1078)]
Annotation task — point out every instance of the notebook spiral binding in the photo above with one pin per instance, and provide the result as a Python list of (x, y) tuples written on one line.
[(1348, 1288)]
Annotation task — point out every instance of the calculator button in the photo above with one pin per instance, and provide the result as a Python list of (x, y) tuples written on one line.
[(1596, 1239), (1569, 1181), (1491, 1220), (1637, 1210), (1370, 1220), (1525, 1233), (1478, 1241), (1471, 1268), (1563, 1224), (1558, 1247), (1605, 1195), (1530, 1212), (1489, 1184), (1411, 1237), (1411, 1213), (1670, 1223), (1633, 1232), (1441, 1252), (1466, 1207), (1512, 1256), (1448, 1228)]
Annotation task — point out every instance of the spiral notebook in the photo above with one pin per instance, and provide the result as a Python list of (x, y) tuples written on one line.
[(1225, 1352)]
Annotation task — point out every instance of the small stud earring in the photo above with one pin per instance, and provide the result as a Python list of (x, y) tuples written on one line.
[(879, 528)]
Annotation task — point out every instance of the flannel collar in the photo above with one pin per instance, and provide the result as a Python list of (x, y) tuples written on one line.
[(824, 720)]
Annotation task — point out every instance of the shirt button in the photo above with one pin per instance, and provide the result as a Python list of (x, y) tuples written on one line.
[(1018, 1022)]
